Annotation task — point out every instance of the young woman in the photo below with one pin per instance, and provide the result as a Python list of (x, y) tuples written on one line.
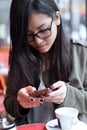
[(41, 56)]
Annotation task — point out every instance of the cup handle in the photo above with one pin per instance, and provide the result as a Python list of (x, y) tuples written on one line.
[(75, 120), (59, 124)]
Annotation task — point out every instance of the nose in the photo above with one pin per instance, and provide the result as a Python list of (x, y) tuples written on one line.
[(38, 40)]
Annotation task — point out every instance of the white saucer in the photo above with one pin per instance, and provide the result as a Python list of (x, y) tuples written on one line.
[(80, 125)]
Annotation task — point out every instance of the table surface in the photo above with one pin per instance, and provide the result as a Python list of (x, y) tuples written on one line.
[(39, 126)]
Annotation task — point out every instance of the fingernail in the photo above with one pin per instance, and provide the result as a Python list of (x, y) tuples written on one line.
[(41, 103), (31, 99), (41, 100), (47, 95)]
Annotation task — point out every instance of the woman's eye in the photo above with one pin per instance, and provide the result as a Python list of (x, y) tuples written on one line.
[(29, 34), (43, 31)]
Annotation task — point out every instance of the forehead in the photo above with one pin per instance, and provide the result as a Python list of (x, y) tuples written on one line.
[(38, 19)]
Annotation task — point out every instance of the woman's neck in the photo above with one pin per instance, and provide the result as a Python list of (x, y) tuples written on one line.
[(45, 56), (45, 61)]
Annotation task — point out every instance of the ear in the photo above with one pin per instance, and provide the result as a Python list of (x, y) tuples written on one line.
[(57, 18)]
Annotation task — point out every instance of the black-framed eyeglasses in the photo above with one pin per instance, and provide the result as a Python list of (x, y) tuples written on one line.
[(41, 34)]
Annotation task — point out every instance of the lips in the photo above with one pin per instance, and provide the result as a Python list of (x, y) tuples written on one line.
[(41, 47)]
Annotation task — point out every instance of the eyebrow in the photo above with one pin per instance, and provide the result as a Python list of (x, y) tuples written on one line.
[(38, 27)]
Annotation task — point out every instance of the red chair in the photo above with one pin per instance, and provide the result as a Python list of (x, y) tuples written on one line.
[(2, 92), (4, 66), (4, 55)]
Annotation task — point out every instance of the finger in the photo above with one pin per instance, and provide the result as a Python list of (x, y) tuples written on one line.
[(33, 103), (23, 93), (56, 93), (30, 89), (53, 97), (30, 105), (55, 100), (56, 85)]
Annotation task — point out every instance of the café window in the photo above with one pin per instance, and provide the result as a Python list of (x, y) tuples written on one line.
[(4, 22), (74, 15)]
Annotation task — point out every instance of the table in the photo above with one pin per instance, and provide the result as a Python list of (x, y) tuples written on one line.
[(39, 126)]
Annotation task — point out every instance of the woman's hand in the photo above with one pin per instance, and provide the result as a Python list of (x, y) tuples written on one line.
[(57, 96), (27, 101)]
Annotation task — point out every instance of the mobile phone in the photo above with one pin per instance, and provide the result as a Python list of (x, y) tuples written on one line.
[(39, 93)]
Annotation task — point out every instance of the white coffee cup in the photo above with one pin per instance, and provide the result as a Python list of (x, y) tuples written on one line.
[(66, 116)]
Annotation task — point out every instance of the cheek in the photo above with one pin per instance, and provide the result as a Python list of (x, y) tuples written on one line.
[(54, 34)]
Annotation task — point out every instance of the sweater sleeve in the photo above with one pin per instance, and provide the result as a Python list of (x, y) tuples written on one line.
[(13, 107), (77, 86)]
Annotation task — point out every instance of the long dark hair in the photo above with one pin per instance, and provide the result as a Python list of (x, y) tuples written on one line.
[(25, 60)]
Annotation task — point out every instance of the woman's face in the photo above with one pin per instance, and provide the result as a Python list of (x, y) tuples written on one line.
[(42, 32)]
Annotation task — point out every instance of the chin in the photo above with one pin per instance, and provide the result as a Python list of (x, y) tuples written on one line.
[(44, 51)]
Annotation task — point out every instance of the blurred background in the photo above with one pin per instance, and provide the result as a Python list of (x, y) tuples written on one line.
[(4, 22), (74, 14)]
